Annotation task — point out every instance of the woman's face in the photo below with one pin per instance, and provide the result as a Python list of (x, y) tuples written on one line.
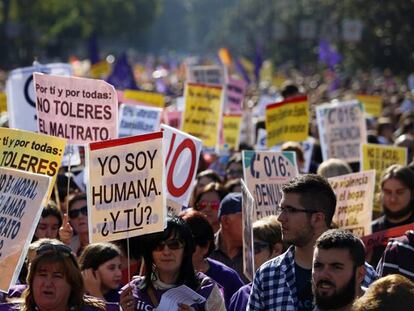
[(209, 205), (78, 215), (168, 257), (48, 227), (50, 288), (110, 273), (201, 183)]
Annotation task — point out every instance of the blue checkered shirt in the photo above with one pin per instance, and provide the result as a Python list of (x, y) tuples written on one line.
[(274, 284)]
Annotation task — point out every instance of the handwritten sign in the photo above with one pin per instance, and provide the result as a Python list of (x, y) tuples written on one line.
[(264, 173), (236, 90), (231, 130), (137, 120), (32, 152), (378, 158), (126, 195), (342, 130), (151, 98), (372, 104), (355, 194), (287, 120), (203, 106), (21, 197), (78, 109), (206, 75)]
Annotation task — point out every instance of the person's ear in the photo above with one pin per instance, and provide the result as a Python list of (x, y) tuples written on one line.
[(318, 219), (360, 273)]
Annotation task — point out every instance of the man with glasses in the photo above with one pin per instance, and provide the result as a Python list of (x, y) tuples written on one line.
[(305, 212)]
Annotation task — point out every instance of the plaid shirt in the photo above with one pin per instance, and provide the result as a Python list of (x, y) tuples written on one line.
[(274, 285)]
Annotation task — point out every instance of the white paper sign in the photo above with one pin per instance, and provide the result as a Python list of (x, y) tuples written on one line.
[(21, 196), (181, 294), (21, 100), (137, 120), (248, 208)]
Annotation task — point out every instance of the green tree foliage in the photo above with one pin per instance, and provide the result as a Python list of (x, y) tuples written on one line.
[(58, 27)]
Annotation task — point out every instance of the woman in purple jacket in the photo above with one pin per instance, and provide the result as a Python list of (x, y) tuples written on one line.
[(168, 261)]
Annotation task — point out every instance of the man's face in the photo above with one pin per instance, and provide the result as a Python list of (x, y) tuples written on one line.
[(333, 278), (396, 198), (295, 222)]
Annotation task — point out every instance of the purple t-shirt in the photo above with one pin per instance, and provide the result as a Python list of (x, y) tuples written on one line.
[(240, 299), (226, 277)]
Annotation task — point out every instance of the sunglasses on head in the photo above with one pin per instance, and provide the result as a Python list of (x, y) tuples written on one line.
[(173, 244), (76, 212), (259, 247), (57, 248), (212, 204)]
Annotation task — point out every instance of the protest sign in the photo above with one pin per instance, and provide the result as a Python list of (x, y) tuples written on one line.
[(264, 173), (32, 152), (21, 100), (380, 238), (372, 104), (248, 239), (126, 195), (378, 158), (202, 114), (71, 156), (355, 194), (3, 102), (287, 120), (261, 141), (100, 70), (206, 75), (231, 130), (150, 98), (78, 109), (307, 147), (235, 95), (342, 130), (21, 197), (174, 118), (181, 163), (137, 120)]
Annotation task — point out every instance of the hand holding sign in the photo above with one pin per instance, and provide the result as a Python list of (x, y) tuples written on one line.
[(66, 231)]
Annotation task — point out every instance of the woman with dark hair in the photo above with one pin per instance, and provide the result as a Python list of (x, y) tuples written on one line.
[(203, 235), (100, 264), (49, 223), (55, 282), (203, 179), (78, 218), (208, 202), (168, 260)]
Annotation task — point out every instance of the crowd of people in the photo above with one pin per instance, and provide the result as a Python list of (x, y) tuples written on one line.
[(302, 260)]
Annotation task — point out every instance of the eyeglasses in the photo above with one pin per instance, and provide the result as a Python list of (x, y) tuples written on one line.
[(293, 210), (259, 247), (173, 245), (212, 204), (76, 212)]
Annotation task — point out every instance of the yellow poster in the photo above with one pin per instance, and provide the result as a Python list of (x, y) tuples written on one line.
[(203, 105), (287, 121), (100, 70), (153, 99), (32, 152), (372, 103), (379, 157), (231, 130), (3, 102)]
